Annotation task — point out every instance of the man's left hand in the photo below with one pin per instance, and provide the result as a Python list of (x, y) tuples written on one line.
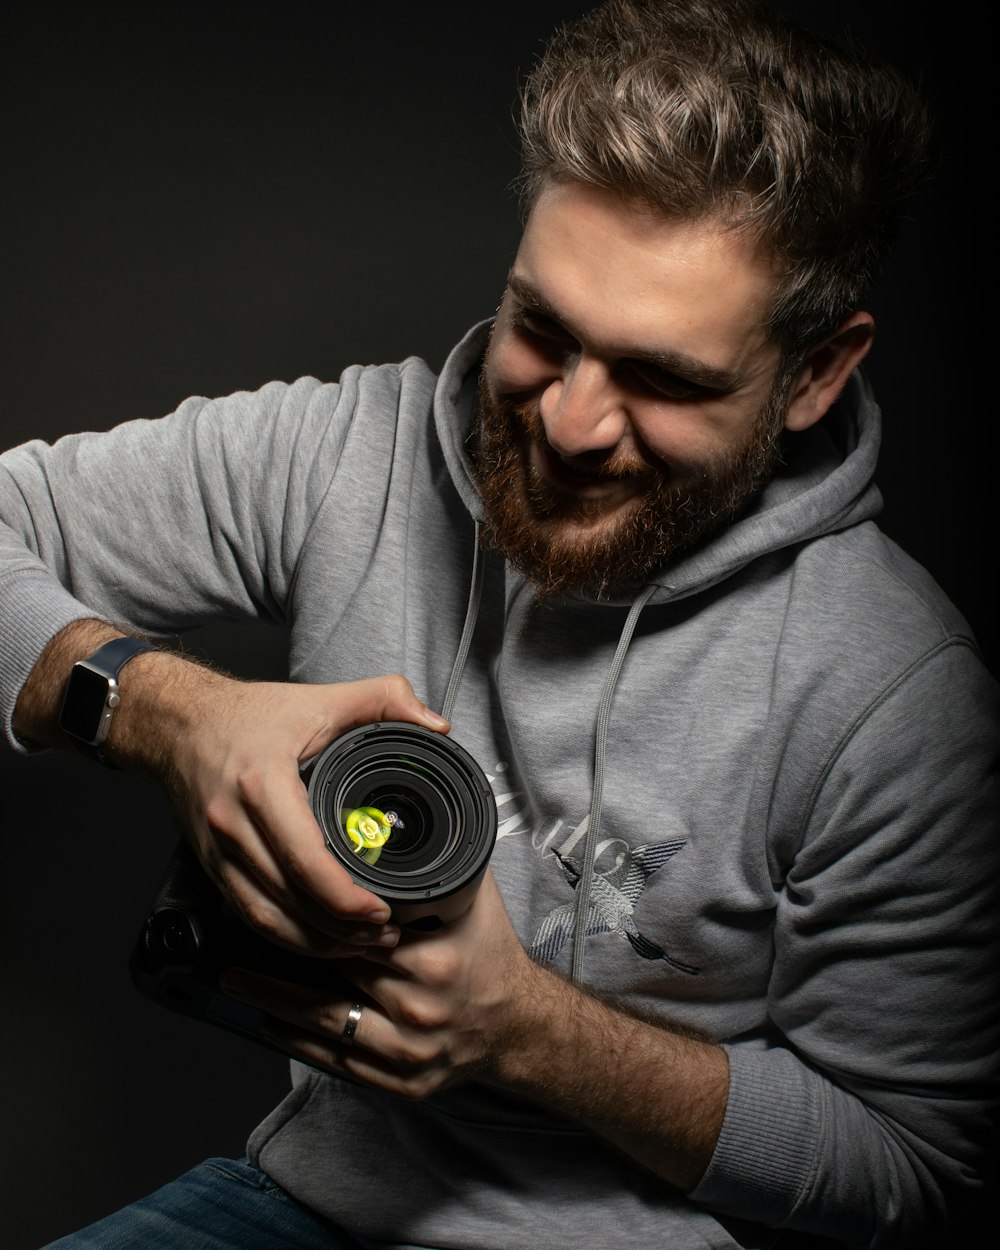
[(466, 1001), (435, 1009)]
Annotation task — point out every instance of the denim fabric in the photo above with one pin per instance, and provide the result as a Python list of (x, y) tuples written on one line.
[(222, 1204)]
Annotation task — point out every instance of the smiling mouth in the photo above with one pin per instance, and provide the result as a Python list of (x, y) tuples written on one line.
[(581, 483)]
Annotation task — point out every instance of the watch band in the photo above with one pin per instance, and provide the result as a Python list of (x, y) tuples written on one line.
[(114, 655), (107, 662)]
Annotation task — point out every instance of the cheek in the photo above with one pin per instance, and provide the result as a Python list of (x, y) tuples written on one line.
[(514, 367), (668, 433), (676, 436), (694, 435)]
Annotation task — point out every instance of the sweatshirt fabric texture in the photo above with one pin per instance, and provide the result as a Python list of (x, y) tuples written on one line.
[(797, 845)]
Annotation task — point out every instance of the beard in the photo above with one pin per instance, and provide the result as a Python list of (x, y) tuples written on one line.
[(564, 544)]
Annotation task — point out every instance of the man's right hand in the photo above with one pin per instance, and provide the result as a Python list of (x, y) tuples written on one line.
[(229, 753)]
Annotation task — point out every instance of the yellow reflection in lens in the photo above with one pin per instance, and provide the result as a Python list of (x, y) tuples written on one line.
[(369, 829)]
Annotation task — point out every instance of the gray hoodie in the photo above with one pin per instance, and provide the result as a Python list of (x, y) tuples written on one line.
[(796, 845)]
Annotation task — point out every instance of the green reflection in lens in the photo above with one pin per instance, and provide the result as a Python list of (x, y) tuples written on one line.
[(369, 829)]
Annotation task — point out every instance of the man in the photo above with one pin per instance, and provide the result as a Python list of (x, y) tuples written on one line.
[(679, 522)]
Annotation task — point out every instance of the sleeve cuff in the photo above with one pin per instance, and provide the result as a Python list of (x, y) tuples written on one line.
[(765, 1157), (36, 608)]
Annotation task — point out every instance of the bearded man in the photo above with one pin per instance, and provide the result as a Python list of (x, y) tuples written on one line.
[(727, 982)]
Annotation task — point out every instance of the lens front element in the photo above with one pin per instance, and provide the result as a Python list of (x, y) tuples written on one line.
[(408, 812)]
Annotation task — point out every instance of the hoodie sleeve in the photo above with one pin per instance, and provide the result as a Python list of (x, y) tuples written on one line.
[(163, 525), (875, 1109)]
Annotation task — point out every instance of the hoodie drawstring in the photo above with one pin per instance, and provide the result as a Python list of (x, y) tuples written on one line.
[(465, 642), (582, 908)]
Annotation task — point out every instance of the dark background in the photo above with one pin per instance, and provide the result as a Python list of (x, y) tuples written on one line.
[(200, 198)]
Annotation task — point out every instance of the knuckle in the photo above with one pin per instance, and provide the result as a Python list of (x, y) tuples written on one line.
[(414, 1054), (328, 1020), (250, 787), (397, 687), (218, 818), (441, 967), (419, 1086), (423, 1015), (259, 915)]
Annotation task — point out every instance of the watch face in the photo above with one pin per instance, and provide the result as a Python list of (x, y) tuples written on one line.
[(83, 710)]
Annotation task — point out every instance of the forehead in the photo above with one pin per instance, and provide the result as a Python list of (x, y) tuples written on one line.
[(620, 275)]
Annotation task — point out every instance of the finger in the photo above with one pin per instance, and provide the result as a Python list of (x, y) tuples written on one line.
[(284, 927), (385, 698), (307, 1009), (485, 915), (342, 1034), (326, 1018), (319, 1030), (278, 807), (244, 866), (413, 1072), (278, 804), (403, 958), (331, 1056)]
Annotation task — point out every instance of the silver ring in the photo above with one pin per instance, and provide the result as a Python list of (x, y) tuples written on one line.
[(351, 1025)]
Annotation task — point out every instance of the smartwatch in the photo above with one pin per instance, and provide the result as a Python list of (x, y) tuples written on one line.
[(92, 695)]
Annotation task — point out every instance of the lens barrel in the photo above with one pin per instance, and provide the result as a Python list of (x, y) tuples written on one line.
[(410, 815)]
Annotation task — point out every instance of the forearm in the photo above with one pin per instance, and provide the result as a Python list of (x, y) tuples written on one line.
[(229, 752), (659, 1095), (160, 696)]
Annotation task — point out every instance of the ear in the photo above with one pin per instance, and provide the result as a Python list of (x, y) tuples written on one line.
[(825, 371)]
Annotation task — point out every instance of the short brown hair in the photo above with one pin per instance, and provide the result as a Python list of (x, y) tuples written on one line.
[(722, 108)]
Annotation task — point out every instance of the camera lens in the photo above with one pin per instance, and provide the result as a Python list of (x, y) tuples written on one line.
[(409, 813)]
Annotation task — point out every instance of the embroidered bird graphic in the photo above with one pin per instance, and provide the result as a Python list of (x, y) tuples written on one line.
[(613, 897)]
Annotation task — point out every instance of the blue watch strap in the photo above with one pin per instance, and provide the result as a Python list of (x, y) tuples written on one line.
[(114, 655)]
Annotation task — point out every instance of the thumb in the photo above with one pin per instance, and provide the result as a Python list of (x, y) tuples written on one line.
[(386, 698)]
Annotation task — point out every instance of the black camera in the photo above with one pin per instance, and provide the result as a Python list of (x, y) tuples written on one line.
[(407, 812)]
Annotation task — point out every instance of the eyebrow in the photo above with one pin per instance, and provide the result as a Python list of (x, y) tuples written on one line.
[(688, 367)]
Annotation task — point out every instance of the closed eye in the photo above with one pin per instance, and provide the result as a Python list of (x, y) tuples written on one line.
[(541, 326), (533, 319), (662, 382)]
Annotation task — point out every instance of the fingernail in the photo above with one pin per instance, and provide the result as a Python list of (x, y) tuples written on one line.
[(380, 915), (436, 720), (388, 937)]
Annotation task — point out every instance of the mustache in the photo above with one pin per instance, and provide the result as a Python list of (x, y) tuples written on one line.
[(619, 462), (673, 508)]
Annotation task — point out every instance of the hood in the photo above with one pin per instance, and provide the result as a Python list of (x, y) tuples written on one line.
[(825, 483)]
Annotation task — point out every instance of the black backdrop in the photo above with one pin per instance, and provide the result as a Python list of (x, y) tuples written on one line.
[(202, 197)]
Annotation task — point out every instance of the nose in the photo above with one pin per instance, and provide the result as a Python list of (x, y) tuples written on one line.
[(582, 409)]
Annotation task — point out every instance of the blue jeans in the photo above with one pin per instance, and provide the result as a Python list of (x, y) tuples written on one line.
[(222, 1204)]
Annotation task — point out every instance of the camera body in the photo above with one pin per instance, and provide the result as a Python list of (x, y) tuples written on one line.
[(191, 936), (407, 812)]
